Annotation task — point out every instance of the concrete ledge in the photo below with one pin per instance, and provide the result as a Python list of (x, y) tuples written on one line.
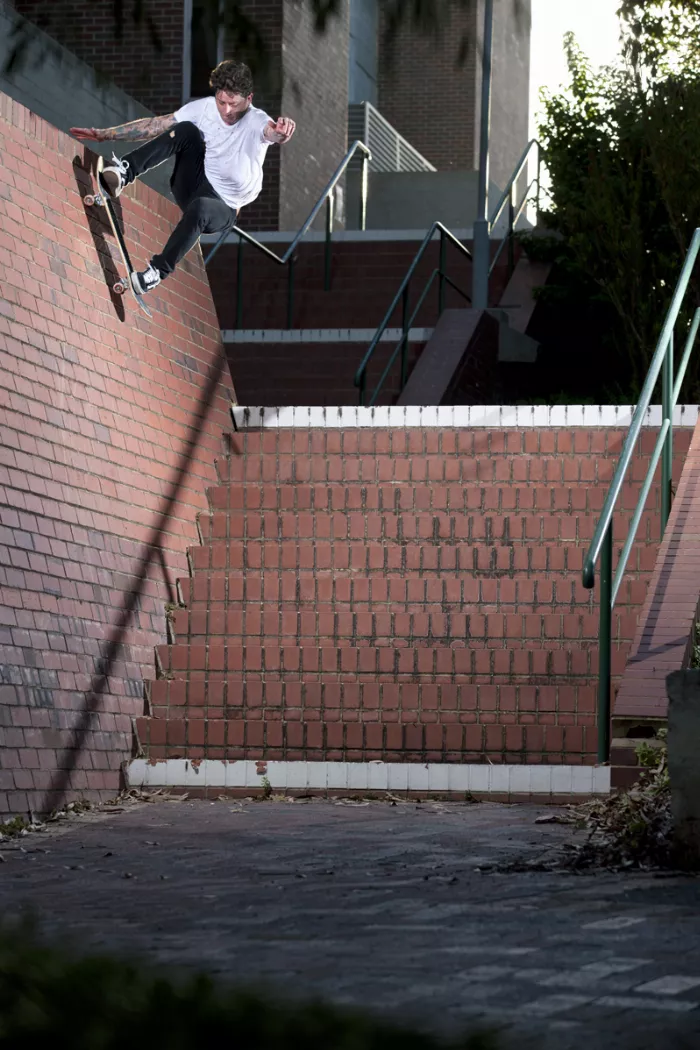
[(494, 416), (321, 335), (484, 779), (340, 236)]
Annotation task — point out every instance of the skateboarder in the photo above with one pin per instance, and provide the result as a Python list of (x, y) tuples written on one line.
[(219, 144)]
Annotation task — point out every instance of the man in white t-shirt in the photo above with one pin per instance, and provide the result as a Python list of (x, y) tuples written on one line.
[(219, 144)]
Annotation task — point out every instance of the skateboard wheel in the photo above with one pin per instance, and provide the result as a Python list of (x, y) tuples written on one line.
[(89, 199), (119, 287)]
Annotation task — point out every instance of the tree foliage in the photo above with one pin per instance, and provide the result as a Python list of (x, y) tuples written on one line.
[(623, 149), (51, 998)]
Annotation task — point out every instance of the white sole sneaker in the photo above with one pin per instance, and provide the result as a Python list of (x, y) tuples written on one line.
[(112, 182)]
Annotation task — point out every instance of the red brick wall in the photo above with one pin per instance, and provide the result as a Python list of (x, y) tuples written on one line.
[(365, 277), (426, 93), (312, 373), (97, 453), (434, 100), (150, 74)]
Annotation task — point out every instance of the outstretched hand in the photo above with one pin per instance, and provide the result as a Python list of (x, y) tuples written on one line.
[(94, 134), (280, 131)]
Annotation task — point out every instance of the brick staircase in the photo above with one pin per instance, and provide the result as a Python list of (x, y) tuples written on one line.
[(407, 595), (366, 273)]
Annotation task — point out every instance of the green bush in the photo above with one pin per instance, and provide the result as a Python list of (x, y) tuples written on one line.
[(48, 998)]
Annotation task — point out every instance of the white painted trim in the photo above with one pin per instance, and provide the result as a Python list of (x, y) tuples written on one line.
[(494, 416), (319, 236), (372, 776), (321, 335)]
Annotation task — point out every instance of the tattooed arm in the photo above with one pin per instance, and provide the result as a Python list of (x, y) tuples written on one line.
[(147, 128)]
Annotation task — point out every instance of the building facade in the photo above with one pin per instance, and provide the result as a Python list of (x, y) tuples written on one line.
[(423, 84)]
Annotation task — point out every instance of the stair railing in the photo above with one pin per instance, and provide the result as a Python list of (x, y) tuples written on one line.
[(515, 207), (403, 297), (288, 258), (602, 543), (515, 210)]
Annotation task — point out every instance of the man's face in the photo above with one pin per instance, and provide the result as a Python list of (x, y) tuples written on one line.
[(232, 107)]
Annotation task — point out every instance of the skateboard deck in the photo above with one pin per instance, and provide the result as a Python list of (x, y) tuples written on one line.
[(103, 199)]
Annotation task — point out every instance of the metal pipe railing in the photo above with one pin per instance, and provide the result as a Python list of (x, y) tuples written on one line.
[(601, 546), (515, 211), (402, 296), (282, 260), (638, 417), (505, 196)]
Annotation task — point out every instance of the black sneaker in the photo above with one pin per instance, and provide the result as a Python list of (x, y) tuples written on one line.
[(145, 280), (114, 176)]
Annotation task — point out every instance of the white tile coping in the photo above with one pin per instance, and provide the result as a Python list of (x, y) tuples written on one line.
[(319, 236), (495, 416), (321, 335), (372, 776)]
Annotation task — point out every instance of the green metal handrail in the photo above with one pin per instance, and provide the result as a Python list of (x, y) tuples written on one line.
[(403, 296), (602, 542), (515, 210), (288, 257)]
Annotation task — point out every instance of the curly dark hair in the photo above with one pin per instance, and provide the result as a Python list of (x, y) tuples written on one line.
[(232, 76)]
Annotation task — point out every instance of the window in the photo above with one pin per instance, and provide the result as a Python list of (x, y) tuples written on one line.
[(203, 46)]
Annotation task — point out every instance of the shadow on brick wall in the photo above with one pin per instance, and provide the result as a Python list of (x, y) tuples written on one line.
[(85, 173), (61, 780)]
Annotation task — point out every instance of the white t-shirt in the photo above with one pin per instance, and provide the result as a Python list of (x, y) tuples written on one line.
[(234, 156)]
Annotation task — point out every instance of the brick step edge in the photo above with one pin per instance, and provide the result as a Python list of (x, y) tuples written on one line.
[(488, 741), (413, 779)]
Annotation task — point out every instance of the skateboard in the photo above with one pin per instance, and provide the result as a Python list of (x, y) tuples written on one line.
[(103, 199)]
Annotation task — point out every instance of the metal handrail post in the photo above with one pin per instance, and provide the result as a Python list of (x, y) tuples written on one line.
[(605, 647), (290, 292), (511, 231), (667, 414), (441, 283), (363, 192), (404, 349), (239, 283), (329, 234), (539, 184)]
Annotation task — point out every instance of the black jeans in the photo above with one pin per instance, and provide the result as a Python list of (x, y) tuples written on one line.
[(203, 210)]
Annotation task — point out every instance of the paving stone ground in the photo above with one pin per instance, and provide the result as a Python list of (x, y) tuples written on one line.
[(380, 906)]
